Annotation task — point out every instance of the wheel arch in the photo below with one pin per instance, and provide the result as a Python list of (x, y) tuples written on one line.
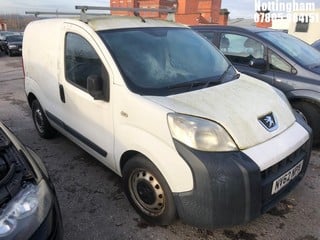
[(304, 96), (176, 172), (31, 97), (126, 156), (309, 110)]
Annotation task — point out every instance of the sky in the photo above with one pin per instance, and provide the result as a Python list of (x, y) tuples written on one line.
[(237, 8)]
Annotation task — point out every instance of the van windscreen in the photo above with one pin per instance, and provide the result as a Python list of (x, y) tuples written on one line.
[(164, 61)]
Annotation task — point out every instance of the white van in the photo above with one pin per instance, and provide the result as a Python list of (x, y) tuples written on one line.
[(159, 105)]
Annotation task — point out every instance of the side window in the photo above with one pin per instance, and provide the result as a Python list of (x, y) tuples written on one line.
[(81, 61), (279, 64), (240, 49), (208, 34)]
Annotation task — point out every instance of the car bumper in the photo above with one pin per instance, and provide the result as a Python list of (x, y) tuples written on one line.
[(45, 222), (15, 51), (51, 227), (230, 188)]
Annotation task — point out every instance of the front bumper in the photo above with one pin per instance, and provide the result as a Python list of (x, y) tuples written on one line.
[(15, 51), (51, 227), (230, 188), (43, 223)]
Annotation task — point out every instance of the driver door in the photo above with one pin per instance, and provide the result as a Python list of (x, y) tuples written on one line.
[(84, 119)]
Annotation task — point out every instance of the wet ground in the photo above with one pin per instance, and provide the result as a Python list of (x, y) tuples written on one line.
[(93, 203)]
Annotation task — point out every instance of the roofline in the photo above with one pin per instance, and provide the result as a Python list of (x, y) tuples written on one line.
[(84, 15), (230, 27)]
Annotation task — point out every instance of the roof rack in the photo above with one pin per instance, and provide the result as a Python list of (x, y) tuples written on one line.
[(83, 12), (37, 13)]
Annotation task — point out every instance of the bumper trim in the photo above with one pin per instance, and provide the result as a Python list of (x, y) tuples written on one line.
[(226, 189), (266, 154)]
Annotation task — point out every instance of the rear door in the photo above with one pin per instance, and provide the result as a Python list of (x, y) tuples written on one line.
[(86, 120)]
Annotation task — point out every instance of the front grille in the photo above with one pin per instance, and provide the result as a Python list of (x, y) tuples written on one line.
[(272, 173)]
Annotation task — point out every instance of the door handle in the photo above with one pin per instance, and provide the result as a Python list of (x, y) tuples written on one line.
[(61, 91)]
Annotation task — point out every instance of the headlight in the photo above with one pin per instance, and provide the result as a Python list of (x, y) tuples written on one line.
[(25, 212), (200, 134), (12, 46), (21, 206)]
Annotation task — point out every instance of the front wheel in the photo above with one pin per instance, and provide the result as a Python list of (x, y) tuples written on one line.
[(41, 122), (148, 192), (311, 114)]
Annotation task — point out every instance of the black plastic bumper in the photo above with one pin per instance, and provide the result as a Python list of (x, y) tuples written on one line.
[(51, 227), (229, 187)]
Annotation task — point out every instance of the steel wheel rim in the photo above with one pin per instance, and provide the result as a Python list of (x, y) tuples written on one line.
[(39, 120), (147, 192)]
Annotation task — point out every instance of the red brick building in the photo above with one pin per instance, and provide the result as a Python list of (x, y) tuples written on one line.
[(188, 12), (3, 26), (264, 20)]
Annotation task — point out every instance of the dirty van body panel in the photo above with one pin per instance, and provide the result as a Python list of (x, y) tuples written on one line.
[(241, 122), (135, 128), (39, 78)]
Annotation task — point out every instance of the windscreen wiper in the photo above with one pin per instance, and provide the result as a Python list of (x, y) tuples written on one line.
[(211, 82), (187, 85)]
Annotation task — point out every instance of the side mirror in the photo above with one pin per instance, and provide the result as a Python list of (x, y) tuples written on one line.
[(258, 63), (95, 87)]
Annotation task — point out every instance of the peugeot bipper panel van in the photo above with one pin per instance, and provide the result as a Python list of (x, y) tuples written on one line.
[(163, 108)]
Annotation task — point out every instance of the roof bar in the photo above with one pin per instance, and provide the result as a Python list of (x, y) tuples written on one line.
[(161, 10), (169, 11), (37, 13), (83, 13)]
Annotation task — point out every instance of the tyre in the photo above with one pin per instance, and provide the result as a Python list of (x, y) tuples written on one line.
[(311, 113), (148, 191), (41, 122)]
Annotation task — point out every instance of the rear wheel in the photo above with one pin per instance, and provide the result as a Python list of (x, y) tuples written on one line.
[(41, 122), (148, 192), (311, 114)]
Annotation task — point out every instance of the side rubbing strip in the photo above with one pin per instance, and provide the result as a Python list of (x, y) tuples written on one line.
[(77, 134)]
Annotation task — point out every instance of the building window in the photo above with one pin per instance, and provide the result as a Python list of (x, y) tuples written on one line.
[(302, 24)]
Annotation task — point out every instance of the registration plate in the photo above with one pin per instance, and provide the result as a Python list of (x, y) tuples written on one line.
[(282, 181)]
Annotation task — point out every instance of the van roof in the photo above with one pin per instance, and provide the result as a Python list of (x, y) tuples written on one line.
[(99, 23), (118, 22)]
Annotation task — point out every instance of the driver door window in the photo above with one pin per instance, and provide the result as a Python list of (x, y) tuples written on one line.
[(81, 61)]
